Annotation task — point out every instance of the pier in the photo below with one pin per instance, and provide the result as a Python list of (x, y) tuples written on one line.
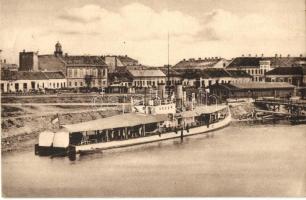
[(294, 110)]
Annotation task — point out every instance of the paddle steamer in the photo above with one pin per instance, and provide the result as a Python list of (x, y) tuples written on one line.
[(150, 121)]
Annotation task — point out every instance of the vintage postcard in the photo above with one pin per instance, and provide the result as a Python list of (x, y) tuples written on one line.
[(153, 98)]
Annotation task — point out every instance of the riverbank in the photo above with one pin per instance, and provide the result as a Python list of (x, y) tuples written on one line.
[(20, 131)]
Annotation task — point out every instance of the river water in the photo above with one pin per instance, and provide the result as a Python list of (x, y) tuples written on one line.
[(240, 160)]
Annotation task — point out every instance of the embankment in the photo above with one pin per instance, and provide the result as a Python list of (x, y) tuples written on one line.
[(19, 133)]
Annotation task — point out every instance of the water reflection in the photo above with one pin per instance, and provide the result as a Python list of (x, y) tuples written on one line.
[(259, 160)]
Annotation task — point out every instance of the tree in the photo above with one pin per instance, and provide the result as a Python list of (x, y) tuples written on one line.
[(88, 80)]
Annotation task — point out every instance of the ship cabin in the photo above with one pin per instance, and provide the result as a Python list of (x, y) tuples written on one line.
[(136, 125), (117, 128), (202, 115)]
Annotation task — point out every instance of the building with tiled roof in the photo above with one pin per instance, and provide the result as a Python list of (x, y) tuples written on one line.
[(210, 76), (113, 61), (76, 68), (79, 67), (213, 62), (51, 63), (24, 81), (258, 66), (252, 90), (147, 78), (292, 75)]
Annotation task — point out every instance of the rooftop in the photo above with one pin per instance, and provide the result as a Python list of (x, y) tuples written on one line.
[(117, 121), (54, 75), (275, 61), (147, 73), (287, 71), (20, 75), (206, 62), (84, 60), (262, 85)]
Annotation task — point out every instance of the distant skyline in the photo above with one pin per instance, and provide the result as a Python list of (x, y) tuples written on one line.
[(139, 28)]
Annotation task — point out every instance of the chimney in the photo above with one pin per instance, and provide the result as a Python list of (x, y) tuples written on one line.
[(205, 58), (199, 58), (276, 55), (66, 54), (288, 55), (262, 55), (280, 55), (301, 55), (4, 61), (23, 51), (242, 55), (256, 55), (250, 55)]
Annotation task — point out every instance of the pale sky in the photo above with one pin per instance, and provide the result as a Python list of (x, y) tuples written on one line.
[(139, 28)]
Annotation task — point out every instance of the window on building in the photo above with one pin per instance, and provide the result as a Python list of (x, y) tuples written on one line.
[(81, 73), (61, 85), (25, 86), (75, 73), (81, 84), (75, 84), (2, 87), (16, 86), (43, 85), (69, 72), (33, 85), (53, 85), (64, 84), (69, 83), (57, 85), (104, 83)]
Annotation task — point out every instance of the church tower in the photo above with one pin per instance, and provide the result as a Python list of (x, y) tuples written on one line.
[(58, 49)]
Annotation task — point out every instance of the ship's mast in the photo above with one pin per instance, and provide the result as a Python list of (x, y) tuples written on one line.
[(168, 74)]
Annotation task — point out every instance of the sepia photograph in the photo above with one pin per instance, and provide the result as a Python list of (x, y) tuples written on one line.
[(153, 98)]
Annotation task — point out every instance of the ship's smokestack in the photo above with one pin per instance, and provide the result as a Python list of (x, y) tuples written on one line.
[(179, 96), (161, 91)]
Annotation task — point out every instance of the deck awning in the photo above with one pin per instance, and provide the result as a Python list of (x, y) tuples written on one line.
[(117, 121)]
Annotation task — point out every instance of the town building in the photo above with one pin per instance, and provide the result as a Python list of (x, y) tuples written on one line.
[(80, 71), (114, 62), (211, 62), (8, 66), (28, 61), (175, 77), (147, 78), (258, 66), (25, 81), (86, 71), (208, 77), (252, 90), (292, 75), (120, 81)]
